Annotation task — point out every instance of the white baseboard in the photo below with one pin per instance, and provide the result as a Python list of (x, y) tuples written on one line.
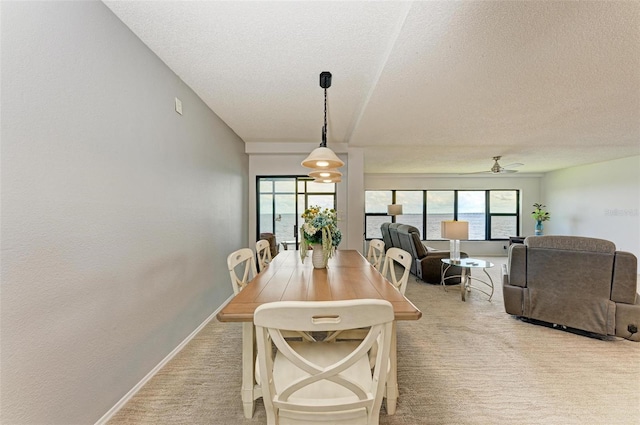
[(105, 418)]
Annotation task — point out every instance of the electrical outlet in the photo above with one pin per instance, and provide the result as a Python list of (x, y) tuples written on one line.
[(178, 106)]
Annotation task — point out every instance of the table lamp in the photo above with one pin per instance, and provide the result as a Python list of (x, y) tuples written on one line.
[(454, 231), (394, 209)]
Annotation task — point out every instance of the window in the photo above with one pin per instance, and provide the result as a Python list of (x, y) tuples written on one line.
[(412, 208), (375, 208), (472, 208), (504, 218), (282, 200), (492, 214), (440, 206)]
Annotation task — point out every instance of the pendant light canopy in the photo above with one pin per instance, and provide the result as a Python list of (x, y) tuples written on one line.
[(322, 158)]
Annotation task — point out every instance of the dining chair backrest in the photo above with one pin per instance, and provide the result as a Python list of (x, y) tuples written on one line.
[(390, 272), (321, 382), (263, 250), (242, 268), (376, 252)]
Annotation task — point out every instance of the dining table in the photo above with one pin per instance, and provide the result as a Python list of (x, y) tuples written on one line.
[(348, 275)]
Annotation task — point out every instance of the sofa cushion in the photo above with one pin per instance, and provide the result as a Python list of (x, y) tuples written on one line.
[(406, 243), (393, 232), (421, 250), (386, 236)]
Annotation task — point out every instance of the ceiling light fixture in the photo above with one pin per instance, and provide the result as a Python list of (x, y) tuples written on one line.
[(321, 180), (330, 173), (322, 158)]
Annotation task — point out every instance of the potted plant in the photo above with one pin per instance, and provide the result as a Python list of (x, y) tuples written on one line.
[(320, 231), (539, 215)]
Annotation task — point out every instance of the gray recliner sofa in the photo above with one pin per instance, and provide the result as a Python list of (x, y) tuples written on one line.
[(426, 264), (577, 282)]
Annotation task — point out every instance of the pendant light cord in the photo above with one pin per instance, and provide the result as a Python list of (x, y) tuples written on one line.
[(324, 129)]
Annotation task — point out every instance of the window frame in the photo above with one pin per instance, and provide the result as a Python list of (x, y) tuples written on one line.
[(488, 215)]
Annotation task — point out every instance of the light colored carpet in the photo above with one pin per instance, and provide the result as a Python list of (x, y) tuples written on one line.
[(462, 363)]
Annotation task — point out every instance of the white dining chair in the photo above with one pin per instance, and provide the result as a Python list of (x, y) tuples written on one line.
[(263, 250), (390, 272), (376, 253), (242, 268), (321, 382)]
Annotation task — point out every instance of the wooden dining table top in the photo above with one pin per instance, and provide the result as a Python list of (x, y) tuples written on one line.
[(348, 276)]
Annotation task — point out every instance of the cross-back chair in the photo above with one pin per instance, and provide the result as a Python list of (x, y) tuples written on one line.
[(244, 262), (376, 253), (263, 250), (390, 272), (319, 381)]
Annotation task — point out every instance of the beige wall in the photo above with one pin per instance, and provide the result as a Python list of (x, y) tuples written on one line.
[(599, 200), (117, 213)]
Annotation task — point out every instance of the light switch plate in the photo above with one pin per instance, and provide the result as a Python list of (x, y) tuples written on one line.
[(178, 106)]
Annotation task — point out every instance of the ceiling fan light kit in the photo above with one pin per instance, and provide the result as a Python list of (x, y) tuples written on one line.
[(323, 159)]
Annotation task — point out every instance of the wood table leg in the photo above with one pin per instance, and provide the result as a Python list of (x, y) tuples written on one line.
[(248, 378), (392, 379)]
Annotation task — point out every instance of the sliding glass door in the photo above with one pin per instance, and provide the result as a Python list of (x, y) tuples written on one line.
[(281, 202)]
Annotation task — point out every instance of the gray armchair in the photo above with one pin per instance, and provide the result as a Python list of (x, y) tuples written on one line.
[(273, 245), (426, 264), (577, 282)]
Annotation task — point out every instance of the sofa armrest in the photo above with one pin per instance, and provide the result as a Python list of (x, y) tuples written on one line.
[(430, 268), (517, 265), (505, 275), (438, 254), (624, 283)]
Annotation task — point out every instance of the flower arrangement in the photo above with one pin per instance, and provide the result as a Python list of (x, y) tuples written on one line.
[(539, 214), (320, 227)]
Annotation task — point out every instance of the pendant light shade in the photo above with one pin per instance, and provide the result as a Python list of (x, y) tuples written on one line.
[(329, 173), (322, 158), (329, 180)]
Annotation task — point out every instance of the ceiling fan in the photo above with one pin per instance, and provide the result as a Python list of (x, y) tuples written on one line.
[(498, 169)]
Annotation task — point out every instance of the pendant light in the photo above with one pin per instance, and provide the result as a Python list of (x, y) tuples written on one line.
[(330, 173), (322, 158)]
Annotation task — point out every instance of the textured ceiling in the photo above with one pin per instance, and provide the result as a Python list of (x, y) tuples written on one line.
[(423, 87)]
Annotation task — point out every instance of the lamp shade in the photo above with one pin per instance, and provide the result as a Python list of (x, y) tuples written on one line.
[(328, 180), (394, 209), (322, 158), (330, 173), (456, 230)]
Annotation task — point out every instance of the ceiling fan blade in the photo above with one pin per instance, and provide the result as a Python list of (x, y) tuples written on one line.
[(476, 172), (497, 168), (514, 165)]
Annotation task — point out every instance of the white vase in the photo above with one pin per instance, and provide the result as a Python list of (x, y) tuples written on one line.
[(317, 257)]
